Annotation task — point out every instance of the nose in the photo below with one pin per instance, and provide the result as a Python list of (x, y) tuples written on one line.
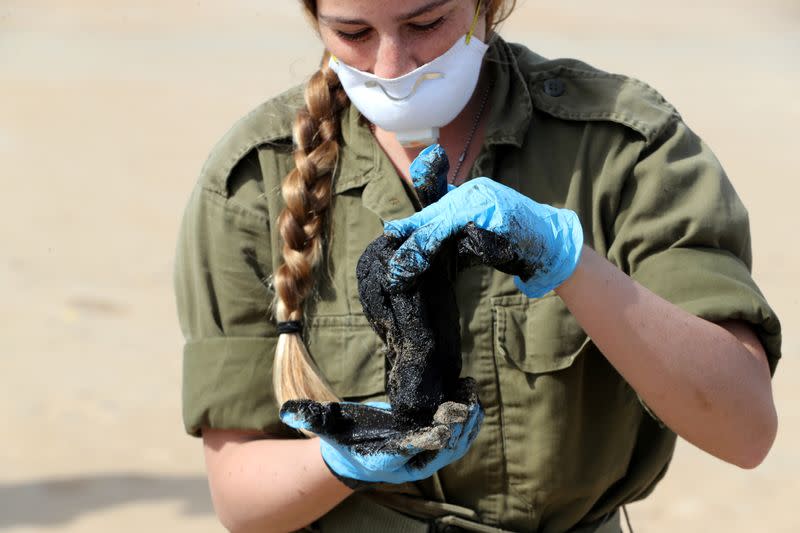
[(392, 59)]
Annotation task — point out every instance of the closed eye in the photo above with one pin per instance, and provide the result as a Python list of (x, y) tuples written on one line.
[(422, 28), (361, 35), (354, 36)]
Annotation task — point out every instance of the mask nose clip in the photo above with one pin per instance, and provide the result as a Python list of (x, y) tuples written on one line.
[(371, 84)]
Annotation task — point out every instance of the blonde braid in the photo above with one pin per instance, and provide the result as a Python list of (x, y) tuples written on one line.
[(307, 194)]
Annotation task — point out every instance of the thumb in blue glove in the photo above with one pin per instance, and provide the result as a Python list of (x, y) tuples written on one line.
[(545, 241)]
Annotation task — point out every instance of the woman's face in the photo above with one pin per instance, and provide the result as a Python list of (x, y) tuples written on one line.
[(390, 38)]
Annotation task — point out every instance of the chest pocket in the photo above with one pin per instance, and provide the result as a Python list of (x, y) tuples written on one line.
[(539, 357), (349, 354), (536, 336)]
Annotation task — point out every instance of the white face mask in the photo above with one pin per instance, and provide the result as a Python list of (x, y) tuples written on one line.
[(415, 105)]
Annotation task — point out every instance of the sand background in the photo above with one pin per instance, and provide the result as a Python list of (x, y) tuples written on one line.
[(107, 112)]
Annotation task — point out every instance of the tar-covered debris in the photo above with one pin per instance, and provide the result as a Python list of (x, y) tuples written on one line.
[(371, 429), (420, 327)]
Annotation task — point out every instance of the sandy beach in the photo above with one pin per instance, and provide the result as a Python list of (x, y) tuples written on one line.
[(108, 111)]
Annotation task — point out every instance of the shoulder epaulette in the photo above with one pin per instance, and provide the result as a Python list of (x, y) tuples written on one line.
[(572, 90)]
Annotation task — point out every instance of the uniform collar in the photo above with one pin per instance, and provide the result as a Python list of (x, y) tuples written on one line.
[(511, 104), (359, 152), (363, 163)]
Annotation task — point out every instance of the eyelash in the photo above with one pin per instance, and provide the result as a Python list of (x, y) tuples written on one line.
[(362, 35), (355, 37), (422, 28)]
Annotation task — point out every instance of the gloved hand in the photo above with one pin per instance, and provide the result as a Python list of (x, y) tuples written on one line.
[(545, 242), (379, 454)]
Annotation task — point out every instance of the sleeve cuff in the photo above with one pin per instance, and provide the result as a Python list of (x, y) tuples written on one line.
[(715, 285)]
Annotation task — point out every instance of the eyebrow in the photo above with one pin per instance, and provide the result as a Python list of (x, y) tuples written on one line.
[(430, 6)]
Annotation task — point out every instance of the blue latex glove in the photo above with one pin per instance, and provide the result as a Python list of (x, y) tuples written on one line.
[(546, 240), (398, 459)]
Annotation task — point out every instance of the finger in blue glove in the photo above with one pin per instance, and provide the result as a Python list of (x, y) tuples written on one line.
[(429, 174), (464, 428), (547, 240)]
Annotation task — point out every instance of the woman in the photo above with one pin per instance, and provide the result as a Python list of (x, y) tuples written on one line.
[(645, 324)]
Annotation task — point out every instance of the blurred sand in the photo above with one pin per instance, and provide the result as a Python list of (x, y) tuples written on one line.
[(108, 110)]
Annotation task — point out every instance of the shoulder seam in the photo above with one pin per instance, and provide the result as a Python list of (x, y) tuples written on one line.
[(251, 132)]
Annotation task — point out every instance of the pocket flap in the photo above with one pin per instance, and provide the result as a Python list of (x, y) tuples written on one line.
[(349, 354), (537, 335)]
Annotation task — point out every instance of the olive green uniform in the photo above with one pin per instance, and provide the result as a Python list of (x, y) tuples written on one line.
[(565, 440)]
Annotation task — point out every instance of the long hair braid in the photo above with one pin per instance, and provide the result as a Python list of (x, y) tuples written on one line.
[(306, 191)]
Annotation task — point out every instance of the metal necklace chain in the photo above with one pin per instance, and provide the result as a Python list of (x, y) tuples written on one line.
[(463, 156), (475, 123)]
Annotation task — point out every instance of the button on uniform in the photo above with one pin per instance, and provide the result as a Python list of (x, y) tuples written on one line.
[(555, 87)]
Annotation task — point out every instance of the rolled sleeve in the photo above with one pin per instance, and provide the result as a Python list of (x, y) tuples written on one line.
[(715, 285), (683, 232), (222, 270), (227, 384)]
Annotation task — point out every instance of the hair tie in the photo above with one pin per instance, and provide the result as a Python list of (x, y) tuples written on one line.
[(291, 326)]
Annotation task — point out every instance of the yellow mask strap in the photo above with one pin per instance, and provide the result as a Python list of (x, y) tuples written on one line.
[(474, 21)]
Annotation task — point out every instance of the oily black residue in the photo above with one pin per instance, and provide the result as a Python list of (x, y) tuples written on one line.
[(420, 327)]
